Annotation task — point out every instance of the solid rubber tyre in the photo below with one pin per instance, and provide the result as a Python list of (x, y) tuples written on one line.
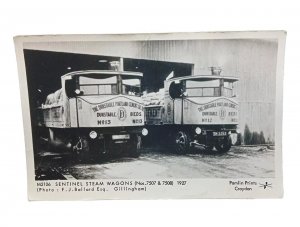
[(134, 148), (182, 143), (223, 145)]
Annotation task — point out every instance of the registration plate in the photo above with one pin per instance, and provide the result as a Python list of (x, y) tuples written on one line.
[(219, 133), (121, 137)]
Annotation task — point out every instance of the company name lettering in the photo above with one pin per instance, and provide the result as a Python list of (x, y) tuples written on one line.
[(117, 104), (114, 114), (217, 104), (107, 114)]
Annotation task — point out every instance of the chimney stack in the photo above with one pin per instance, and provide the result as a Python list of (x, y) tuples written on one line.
[(216, 71)]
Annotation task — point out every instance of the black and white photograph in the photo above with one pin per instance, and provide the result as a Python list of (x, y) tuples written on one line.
[(154, 115)]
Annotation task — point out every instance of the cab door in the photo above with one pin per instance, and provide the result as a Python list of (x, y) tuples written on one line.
[(176, 91), (178, 117)]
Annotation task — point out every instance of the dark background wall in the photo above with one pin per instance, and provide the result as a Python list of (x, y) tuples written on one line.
[(253, 61)]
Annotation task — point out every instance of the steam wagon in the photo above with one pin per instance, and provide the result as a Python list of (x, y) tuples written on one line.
[(194, 110), (96, 112)]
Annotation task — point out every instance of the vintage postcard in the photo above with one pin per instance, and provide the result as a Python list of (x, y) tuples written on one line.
[(151, 116)]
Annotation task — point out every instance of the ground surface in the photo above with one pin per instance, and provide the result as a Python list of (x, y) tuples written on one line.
[(153, 163)]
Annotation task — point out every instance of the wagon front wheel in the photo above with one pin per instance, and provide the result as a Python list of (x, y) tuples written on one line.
[(223, 145)]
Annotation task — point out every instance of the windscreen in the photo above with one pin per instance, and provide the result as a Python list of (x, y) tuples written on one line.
[(211, 88), (98, 84), (203, 88)]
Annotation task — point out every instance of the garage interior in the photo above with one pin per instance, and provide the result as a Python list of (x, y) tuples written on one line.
[(44, 69)]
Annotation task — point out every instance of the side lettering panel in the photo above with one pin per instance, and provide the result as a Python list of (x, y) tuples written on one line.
[(117, 112), (154, 114), (219, 111), (53, 116)]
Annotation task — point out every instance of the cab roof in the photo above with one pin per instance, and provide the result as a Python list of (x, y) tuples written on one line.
[(104, 72), (204, 77)]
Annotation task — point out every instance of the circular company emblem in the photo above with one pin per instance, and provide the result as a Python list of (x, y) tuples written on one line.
[(222, 113), (122, 114)]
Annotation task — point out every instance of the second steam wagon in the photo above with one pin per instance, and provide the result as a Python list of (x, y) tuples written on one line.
[(197, 110)]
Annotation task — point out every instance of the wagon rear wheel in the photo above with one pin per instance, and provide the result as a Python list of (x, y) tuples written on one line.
[(81, 149), (134, 148), (182, 143)]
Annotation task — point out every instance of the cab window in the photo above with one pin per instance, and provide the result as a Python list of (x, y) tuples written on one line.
[(230, 89), (131, 85)]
